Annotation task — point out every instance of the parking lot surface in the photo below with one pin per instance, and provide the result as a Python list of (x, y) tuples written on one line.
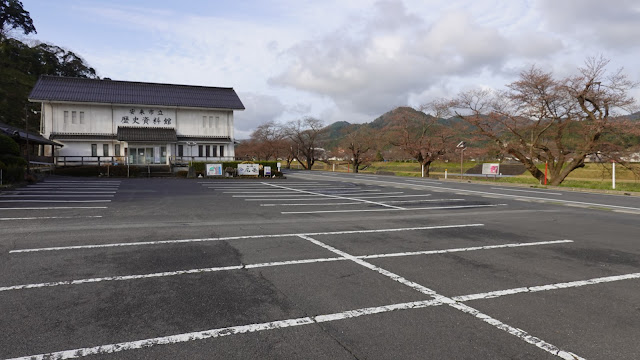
[(316, 266)]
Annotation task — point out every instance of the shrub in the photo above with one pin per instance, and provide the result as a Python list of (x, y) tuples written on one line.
[(12, 173), (8, 146), (13, 160)]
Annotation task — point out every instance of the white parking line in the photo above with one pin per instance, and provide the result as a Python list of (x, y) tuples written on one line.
[(281, 324), (41, 192), (519, 333), (528, 191), (531, 289), (43, 195), (55, 208), (49, 217), (394, 196), (53, 201), (272, 264), (358, 203), (161, 242), (403, 209), (338, 197), (518, 197)]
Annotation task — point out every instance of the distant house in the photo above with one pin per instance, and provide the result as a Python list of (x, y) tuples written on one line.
[(136, 122), (37, 144)]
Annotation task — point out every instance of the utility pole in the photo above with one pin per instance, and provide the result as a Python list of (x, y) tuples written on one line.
[(462, 146)]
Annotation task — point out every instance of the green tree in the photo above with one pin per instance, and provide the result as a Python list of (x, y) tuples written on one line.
[(14, 16)]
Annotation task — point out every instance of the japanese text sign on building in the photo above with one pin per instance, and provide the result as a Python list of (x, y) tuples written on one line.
[(147, 116)]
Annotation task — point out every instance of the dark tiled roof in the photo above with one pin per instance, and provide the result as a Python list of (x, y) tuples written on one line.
[(56, 88), (85, 136), (146, 134), (20, 135), (202, 138)]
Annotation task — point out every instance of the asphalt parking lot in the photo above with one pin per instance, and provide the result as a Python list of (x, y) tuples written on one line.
[(316, 266)]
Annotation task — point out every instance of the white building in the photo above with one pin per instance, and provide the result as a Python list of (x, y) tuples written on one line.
[(142, 123)]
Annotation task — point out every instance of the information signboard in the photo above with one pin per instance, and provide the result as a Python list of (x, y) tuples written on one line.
[(214, 169), (490, 169), (267, 171), (248, 170)]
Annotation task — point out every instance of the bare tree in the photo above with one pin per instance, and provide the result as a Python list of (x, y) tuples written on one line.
[(423, 136), (305, 135), (541, 119), (360, 142)]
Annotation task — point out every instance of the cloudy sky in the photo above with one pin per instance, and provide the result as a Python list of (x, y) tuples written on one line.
[(336, 60)]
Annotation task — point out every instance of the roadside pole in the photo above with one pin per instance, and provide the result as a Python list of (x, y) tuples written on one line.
[(613, 174), (546, 166), (445, 174)]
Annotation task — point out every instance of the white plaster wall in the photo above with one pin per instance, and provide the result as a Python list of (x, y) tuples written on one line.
[(190, 123), (97, 119)]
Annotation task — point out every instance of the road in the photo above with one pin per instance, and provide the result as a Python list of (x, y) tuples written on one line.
[(319, 265)]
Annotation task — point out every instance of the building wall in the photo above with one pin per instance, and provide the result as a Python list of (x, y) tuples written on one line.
[(93, 119)]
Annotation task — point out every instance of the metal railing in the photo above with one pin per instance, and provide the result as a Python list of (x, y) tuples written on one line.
[(89, 160)]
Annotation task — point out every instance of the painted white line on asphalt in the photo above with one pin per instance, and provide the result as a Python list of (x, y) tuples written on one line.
[(424, 181), (403, 209), (474, 248), (280, 324), (161, 242), (44, 195), (272, 264), (360, 193), (280, 196), (531, 289), (302, 199), (55, 208), (68, 188), (358, 203), (53, 201), (82, 182), (316, 204), (220, 332), (395, 196), (45, 192), (519, 333), (528, 191), (339, 197), (439, 188), (420, 200), (49, 217)]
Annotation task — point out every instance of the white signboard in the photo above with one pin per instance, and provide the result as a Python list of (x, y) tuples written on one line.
[(267, 171), (279, 166), (490, 169), (144, 116), (214, 169), (248, 169)]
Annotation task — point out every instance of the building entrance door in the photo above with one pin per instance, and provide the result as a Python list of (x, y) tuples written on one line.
[(147, 155)]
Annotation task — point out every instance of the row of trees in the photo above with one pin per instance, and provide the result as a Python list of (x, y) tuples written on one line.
[(537, 119)]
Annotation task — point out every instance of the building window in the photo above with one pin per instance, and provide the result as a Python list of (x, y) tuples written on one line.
[(204, 121), (94, 149), (74, 117), (208, 150), (66, 117), (105, 149), (221, 150), (116, 150), (210, 121), (181, 150), (81, 117), (200, 150), (214, 151)]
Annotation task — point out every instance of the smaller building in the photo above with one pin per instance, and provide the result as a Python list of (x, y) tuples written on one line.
[(33, 147), (135, 122)]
